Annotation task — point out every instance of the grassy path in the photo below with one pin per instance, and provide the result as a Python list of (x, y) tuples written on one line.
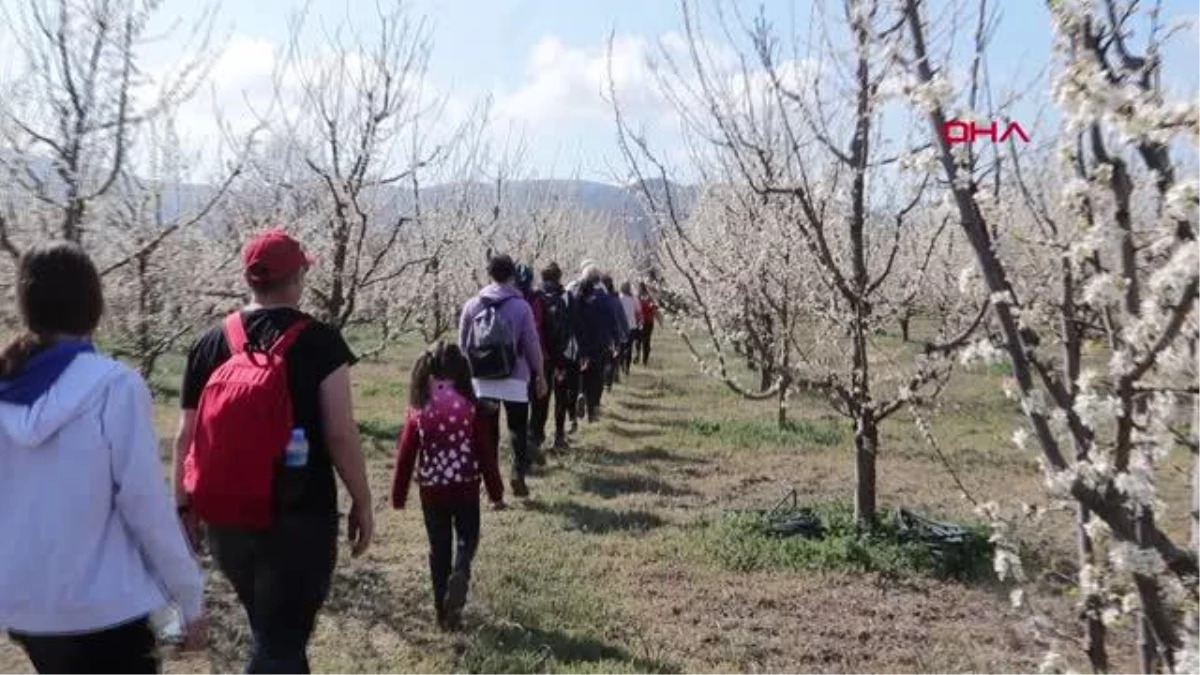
[(607, 569)]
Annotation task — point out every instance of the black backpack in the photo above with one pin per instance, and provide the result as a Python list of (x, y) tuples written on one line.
[(556, 325), (492, 350)]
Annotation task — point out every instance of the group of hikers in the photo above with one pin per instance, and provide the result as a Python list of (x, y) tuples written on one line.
[(95, 542)]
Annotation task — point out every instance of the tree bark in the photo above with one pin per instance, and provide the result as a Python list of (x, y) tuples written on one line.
[(1092, 605), (1195, 455), (866, 445)]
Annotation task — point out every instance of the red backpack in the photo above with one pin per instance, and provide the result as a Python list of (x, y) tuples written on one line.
[(243, 424)]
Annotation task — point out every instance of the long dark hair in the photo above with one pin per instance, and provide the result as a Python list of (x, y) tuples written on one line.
[(58, 293), (440, 362)]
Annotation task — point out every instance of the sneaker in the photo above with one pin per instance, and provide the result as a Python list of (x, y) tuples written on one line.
[(519, 488), (456, 598), (574, 428), (580, 411)]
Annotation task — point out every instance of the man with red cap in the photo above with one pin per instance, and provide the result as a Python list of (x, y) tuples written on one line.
[(281, 571)]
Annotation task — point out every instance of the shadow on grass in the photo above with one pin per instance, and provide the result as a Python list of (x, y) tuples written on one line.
[(511, 648), (595, 454), (594, 520), (643, 406), (362, 599), (621, 417), (614, 486), (624, 431)]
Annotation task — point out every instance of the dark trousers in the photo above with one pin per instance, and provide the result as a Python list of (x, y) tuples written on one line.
[(517, 416), (592, 381), (539, 411), (128, 648), (442, 523), (282, 577), (633, 343), (566, 390), (644, 339)]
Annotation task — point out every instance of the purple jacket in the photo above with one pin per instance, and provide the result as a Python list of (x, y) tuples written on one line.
[(519, 316)]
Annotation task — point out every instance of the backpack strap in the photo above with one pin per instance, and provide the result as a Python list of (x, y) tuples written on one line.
[(288, 338), (235, 333)]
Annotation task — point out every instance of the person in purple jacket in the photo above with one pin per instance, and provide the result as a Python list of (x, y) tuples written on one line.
[(512, 392)]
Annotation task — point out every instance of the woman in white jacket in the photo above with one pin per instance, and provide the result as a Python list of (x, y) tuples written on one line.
[(92, 545)]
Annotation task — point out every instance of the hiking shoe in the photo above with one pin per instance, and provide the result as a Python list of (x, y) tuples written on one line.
[(439, 611), (519, 488), (456, 598), (580, 411)]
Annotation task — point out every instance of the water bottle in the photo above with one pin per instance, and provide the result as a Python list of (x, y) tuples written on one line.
[(297, 449)]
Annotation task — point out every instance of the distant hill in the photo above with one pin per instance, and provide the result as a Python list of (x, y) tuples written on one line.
[(622, 206)]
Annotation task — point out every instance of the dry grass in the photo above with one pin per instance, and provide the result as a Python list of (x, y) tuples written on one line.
[(600, 571)]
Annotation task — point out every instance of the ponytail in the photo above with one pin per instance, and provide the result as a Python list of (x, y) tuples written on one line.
[(17, 353)]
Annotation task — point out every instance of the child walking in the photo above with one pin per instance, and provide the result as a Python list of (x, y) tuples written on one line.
[(449, 447)]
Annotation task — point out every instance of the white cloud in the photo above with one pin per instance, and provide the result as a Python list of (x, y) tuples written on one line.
[(565, 83)]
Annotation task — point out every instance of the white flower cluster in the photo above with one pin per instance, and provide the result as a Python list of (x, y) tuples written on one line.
[(1020, 438), (1096, 410), (1104, 290), (968, 279), (980, 350), (1168, 281), (1182, 201), (1053, 662), (1137, 483), (1130, 558), (928, 96)]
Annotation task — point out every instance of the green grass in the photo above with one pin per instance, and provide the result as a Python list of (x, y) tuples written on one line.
[(757, 434), (743, 542)]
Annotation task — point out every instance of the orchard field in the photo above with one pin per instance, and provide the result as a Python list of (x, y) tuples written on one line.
[(859, 305), (626, 558)]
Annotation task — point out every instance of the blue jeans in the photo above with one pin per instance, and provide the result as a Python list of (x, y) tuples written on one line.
[(442, 522), (282, 577)]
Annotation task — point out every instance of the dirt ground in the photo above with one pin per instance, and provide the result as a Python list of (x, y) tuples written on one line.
[(600, 570)]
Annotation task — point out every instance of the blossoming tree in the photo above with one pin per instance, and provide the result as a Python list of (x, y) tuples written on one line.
[(1121, 237), (811, 234)]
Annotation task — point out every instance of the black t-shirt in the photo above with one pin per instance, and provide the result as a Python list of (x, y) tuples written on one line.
[(318, 351)]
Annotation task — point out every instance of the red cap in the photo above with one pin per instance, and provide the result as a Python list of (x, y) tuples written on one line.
[(273, 255)]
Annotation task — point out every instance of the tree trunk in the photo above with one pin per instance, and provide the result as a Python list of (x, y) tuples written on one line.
[(904, 321), (866, 445), (144, 339), (1092, 604), (764, 377), (782, 402), (1195, 457)]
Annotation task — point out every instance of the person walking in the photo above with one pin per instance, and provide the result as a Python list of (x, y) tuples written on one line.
[(612, 301), (647, 314), (501, 342), (92, 546), (596, 333), (632, 309), (267, 418), (562, 351), (538, 405), (445, 443)]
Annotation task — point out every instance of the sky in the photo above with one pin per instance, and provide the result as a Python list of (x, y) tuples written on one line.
[(542, 63)]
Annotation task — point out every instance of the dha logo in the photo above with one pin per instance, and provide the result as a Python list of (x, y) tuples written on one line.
[(959, 131)]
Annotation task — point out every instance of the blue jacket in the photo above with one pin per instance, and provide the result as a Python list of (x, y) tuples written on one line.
[(596, 327)]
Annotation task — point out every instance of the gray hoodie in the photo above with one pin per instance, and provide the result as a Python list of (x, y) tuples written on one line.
[(90, 536)]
